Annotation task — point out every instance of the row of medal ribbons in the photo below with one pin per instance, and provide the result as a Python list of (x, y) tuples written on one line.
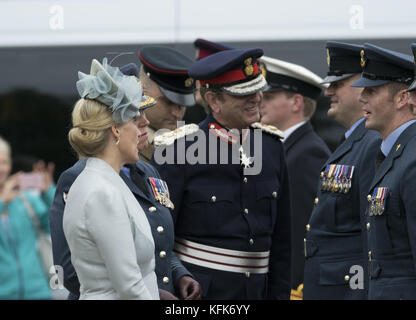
[(337, 178), (161, 192), (378, 201)]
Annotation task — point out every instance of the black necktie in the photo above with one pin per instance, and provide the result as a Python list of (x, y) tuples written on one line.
[(379, 159), (137, 179)]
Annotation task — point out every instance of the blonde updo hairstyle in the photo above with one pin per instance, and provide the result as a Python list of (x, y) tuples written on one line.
[(92, 122)]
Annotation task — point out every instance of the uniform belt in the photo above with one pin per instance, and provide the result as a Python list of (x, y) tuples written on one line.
[(221, 259)]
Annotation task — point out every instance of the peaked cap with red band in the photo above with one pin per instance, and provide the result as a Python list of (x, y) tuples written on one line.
[(235, 71), (168, 68), (205, 48)]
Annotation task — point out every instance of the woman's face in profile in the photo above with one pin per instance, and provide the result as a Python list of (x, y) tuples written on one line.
[(132, 136), (5, 166)]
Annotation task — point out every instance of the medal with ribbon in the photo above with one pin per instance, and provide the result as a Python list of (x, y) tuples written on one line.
[(324, 177), (161, 192), (331, 182), (229, 137), (378, 201), (337, 178), (349, 177)]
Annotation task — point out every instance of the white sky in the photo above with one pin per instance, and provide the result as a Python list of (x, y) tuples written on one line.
[(89, 22)]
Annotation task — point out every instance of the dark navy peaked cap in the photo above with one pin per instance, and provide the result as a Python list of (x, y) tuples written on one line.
[(205, 48), (343, 60), (413, 85), (381, 66), (130, 69), (168, 68), (235, 71)]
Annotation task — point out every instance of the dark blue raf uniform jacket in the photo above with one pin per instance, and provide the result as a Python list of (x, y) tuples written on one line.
[(392, 233), (168, 270), (306, 153), (335, 235), (217, 205)]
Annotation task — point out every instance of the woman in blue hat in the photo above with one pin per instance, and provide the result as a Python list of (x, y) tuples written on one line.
[(112, 247)]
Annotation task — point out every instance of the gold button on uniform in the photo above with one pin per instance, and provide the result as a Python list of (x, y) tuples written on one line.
[(368, 225), (316, 200), (245, 180), (165, 280), (369, 255), (308, 227), (162, 254), (251, 241), (274, 194), (347, 278), (246, 211), (160, 229), (213, 198), (247, 274), (152, 209), (369, 197)]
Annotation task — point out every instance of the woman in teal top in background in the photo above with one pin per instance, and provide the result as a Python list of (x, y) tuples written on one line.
[(21, 271)]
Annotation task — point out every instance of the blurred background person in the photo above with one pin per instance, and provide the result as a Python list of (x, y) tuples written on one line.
[(22, 274), (164, 76), (288, 103)]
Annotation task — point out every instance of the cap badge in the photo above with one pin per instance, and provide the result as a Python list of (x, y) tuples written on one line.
[(362, 59), (263, 69), (249, 69), (328, 57), (189, 82)]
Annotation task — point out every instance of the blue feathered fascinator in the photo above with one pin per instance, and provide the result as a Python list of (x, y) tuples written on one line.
[(121, 93)]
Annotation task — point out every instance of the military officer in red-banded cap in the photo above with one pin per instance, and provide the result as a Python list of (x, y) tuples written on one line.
[(232, 213)]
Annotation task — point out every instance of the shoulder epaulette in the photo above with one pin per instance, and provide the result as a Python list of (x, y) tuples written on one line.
[(268, 129), (169, 138)]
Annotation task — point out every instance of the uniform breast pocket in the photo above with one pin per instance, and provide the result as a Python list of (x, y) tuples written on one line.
[(209, 205), (391, 226), (267, 195), (344, 217), (393, 206)]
